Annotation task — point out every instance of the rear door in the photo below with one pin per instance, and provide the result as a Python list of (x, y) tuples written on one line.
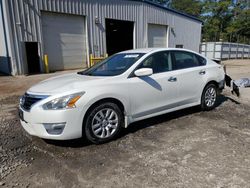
[(190, 71)]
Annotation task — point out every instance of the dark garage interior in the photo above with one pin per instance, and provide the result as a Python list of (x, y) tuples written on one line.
[(119, 35), (32, 57)]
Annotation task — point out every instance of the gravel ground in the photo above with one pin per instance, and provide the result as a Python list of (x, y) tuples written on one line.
[(187, 148)]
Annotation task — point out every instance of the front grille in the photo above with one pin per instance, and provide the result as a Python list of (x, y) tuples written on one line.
[(29, 100)]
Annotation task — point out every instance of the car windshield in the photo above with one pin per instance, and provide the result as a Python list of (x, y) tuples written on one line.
[(114, 65)]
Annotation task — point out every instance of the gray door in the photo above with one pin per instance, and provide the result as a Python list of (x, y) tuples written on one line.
[(157, 35), (64, 40)]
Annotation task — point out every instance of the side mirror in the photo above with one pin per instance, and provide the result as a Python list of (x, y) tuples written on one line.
[(144, 72)]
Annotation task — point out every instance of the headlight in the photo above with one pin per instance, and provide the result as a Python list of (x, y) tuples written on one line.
[(65, 102)]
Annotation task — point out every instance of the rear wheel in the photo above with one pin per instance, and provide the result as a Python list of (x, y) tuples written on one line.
[(209, 97), (103, 123)]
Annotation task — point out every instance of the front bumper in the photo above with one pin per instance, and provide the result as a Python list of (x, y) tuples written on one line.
[(36, 123)]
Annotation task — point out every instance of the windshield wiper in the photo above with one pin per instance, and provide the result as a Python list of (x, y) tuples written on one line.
[(85, 73), (81, 73)]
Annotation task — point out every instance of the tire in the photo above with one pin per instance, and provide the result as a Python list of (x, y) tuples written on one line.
[(209, 97), (103, 123)]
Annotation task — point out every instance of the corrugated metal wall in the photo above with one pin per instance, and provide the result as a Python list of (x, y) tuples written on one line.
[(3, 52), (25, 17), (2, 42), (182, 30)]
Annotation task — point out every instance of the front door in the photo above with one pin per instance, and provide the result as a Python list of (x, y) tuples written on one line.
[(155, 93)]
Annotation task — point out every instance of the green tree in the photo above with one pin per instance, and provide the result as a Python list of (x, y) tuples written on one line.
[(192, 7), (216, 15), (223, 19), (166, 3), (239, 28)]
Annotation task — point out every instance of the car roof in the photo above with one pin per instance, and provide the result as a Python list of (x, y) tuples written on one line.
[(139, 50), (148, 50)]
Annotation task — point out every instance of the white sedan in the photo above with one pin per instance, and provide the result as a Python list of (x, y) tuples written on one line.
[(126, 87)]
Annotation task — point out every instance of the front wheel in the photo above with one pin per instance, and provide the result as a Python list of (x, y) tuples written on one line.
[(209, 97), (103, 123)]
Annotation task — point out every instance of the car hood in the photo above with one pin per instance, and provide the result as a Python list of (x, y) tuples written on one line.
[(64, 83)]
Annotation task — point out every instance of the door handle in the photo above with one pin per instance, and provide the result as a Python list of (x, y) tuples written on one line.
[(172, 79), (202, 72)]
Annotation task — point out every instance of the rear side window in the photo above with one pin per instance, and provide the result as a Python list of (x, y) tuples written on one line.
[(183, 60), (202, 60), (159, 62)]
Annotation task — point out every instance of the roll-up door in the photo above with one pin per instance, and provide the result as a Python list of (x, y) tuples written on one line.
[(64, 41), (157, 35)]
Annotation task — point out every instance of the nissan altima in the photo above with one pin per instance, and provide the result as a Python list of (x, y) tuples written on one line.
[(126, 87)]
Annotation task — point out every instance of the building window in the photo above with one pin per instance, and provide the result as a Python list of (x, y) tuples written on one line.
[(179, 45)]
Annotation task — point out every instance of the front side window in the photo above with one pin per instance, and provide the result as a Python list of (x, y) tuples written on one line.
[(184, 60), (159, 62), (114, 65)]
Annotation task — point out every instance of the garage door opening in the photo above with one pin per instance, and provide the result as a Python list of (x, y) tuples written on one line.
[(32, 57), (119, 35)]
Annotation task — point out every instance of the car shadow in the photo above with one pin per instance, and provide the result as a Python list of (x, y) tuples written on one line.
[(136, 126), (223, 98), (74, 143), (151, 82)]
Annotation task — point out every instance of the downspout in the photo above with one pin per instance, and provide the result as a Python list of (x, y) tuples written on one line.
[(5, 38)]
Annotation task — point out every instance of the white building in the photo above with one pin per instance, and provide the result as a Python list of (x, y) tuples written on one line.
[(69, 30)]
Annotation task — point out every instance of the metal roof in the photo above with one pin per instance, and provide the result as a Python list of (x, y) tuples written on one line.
[(169, 9)]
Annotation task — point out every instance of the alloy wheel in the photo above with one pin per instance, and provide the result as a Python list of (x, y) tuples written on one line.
[(210, 96), (105, 123)]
